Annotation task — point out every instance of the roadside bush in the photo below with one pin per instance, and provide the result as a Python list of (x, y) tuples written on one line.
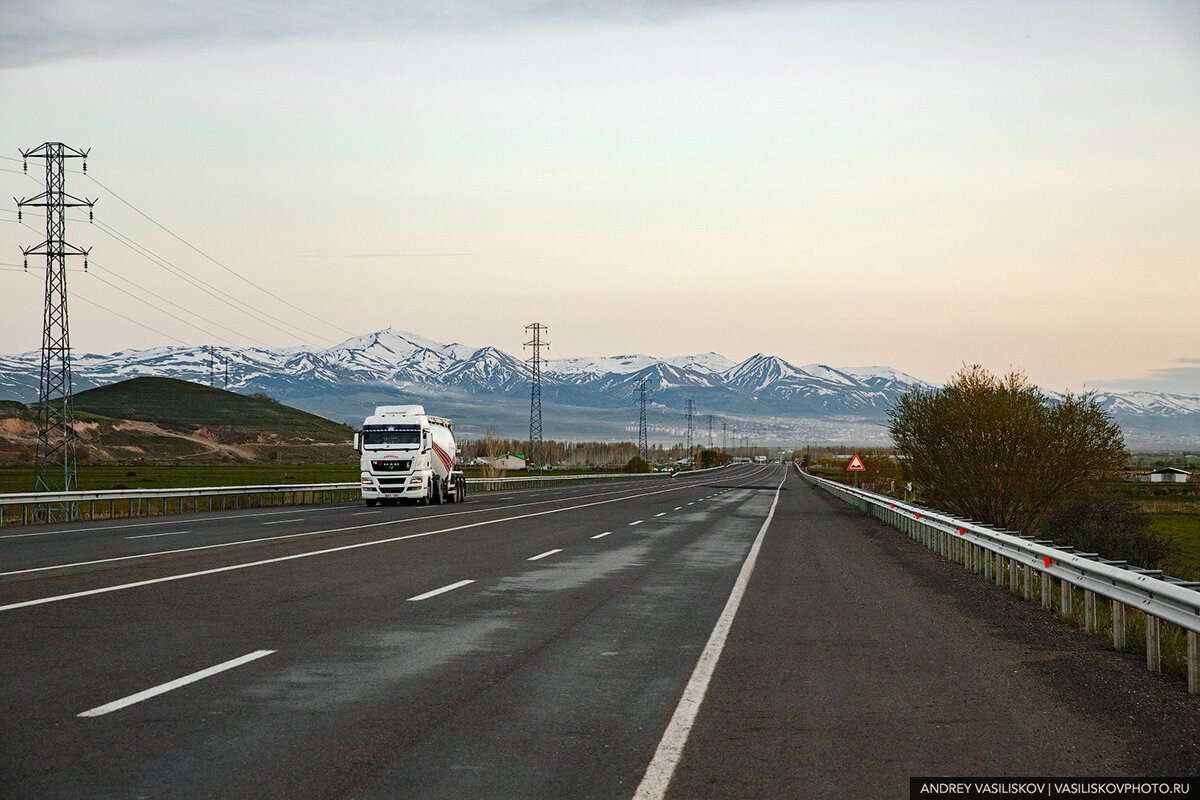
[(1110, 525), (713, 458), (999, 451), (637, 464)]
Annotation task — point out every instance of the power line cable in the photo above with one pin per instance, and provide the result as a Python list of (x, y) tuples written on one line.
[(212, 291), (233, 272), (127, 293), (195, 282), (75, 295)]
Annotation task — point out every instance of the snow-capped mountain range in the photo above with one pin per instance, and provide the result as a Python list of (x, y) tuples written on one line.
[(764, 396)]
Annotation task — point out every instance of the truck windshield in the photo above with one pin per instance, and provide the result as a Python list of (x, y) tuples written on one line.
[(390, 438)]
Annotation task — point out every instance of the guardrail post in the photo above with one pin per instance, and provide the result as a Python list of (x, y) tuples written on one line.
[(1028, 570), (1000, 569), (1118, 615), (1193, 665), (1089, 611), (1153, 655), (1066, 598), (1047, 597), (987, 564)]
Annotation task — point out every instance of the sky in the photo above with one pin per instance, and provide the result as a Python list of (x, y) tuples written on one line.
[(920, 184)]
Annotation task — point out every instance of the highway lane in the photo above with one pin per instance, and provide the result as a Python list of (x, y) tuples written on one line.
[(513, 646), (860, 659), (81, 552)]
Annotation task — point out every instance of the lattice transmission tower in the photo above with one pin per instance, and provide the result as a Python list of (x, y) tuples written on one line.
[(643, 444), (55, 455), (536, 448), (690, 454), (710, 439)]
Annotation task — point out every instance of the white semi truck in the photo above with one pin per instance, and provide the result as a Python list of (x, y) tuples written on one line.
[(407, 454)]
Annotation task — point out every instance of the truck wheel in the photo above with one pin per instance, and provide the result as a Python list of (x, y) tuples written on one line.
[(460, 490), (438, 490), (370, 503)]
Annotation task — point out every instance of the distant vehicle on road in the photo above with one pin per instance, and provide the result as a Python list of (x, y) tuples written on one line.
[(407, 454)]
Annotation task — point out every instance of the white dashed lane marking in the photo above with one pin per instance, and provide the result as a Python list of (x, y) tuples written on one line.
[(442, 590)]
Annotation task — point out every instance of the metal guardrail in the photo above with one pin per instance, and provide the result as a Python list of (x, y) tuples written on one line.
[(23, 508), (1006, 556), (141, 502)]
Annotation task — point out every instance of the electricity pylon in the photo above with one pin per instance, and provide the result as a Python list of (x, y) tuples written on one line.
[(690, 454), (643, 446), (536, 448), (55, 454)]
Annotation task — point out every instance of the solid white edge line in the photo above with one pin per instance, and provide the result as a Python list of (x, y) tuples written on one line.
[(175, 684), (310, 554), (670, 749), (259, 539), (442, 590)]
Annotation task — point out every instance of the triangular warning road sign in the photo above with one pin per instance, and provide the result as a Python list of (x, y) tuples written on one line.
[(856, 465)]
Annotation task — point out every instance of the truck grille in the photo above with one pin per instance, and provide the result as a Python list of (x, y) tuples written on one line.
[(388, 482), (391, 465)]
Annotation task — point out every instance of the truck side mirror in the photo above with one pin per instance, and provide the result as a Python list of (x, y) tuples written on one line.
[(358, 442)]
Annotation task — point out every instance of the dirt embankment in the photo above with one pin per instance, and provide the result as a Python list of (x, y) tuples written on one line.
[(103, 440)]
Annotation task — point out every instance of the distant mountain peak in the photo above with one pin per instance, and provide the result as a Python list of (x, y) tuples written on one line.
[(393, 362)]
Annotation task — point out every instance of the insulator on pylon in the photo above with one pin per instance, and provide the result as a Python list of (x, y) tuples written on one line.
[(27, 265), (90, 218), (85, 263), (85, 165), (24, 166), (18, 214)]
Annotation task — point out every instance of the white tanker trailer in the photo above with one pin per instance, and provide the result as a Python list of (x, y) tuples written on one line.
[(407, 454)]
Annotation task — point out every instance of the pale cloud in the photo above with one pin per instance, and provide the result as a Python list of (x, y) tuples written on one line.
[(1183, 378), (44, 31)]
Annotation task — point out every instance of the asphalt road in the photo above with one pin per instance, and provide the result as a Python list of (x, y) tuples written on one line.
[(537, 644), (549, 674)]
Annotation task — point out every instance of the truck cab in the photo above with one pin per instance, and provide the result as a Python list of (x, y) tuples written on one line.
[(406, 454)]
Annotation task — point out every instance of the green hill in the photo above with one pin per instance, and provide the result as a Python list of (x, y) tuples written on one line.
[(167, 421), (185, 406)]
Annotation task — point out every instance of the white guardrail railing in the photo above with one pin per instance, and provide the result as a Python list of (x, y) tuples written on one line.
[(1015, 559), (29, 507)]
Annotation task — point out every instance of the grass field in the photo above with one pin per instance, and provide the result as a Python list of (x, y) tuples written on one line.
[(21, 479), (1184, 531), (170, 476)]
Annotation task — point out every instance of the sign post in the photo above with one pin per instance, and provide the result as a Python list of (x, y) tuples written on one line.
[(856, 466)]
